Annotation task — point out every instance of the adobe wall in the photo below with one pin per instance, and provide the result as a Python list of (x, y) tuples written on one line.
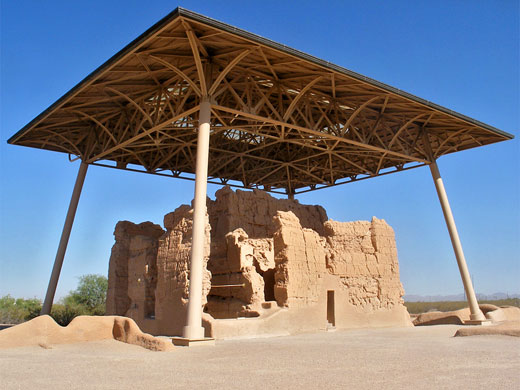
[(300, 262), (364, 256), (173, 264), (243, 251), (272, 263), (132, 273), (253, 211)]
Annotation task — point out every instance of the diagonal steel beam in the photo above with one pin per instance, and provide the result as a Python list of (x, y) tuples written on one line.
[(143, 134), (318, 133)]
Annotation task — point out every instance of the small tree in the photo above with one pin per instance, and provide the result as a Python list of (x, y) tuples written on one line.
[(91, 294)]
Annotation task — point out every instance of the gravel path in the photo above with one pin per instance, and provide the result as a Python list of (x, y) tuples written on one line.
[(405, 358)]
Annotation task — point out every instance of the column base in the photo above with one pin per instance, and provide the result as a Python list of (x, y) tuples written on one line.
[(193, 332), (186, 342), (478, 316)]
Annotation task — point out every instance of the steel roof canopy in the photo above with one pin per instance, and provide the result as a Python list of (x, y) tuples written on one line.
[(281, 119)]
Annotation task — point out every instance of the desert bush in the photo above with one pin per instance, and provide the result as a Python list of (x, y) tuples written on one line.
[(423, 307), (89, 298), (90, 294), (64, 314), (15, 311)]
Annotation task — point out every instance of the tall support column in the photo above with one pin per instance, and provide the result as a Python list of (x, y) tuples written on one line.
[(193, 328), (65, 234), (476, 313)]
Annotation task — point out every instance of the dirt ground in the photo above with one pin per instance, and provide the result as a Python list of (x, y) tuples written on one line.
[(404, 358)]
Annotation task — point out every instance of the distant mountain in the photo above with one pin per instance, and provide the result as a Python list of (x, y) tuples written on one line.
[(457, 297)]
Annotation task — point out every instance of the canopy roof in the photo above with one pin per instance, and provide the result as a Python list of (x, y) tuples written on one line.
[(282, 120)]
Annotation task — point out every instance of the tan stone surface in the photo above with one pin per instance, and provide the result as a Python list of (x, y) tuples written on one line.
[(237, 282), (173, 264), (242, 248), (507, 328), (253, 211), (511, 313), (456, 317), (487, 307), (505, 313), (43, 331), (364, 255), (261, 251), (497, 315), (126, 330), (300, 262), (493, 313), (132, 275)]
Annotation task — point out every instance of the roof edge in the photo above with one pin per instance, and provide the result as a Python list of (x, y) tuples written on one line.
[(308, 57), (121, 53), (179, 11)]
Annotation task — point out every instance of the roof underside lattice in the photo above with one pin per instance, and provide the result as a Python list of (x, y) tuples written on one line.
[(281, 120)]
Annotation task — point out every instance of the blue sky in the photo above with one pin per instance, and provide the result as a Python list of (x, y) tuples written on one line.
[(463, 55)]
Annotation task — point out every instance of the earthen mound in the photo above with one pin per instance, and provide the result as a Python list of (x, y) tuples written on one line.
[(45, 332), (493, 313), (487, 307), (507, 328), (504, 313), (456, 317)]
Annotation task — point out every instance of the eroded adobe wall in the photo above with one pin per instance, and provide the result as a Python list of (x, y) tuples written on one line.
[(300, 262), (173, 264), (261, 255), (243, 252), (132, 275), (239, 280), (253, 211), (364, 256), (347, 278)]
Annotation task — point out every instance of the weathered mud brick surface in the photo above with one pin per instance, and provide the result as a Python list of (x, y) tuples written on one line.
[(132, 275), (364, 255), (259, 251)]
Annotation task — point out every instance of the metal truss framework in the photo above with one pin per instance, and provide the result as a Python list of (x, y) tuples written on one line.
[(282, 121)]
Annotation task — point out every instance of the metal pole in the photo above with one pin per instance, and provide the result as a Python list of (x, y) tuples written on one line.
[(193, 328), (476, 313), (65, 234)]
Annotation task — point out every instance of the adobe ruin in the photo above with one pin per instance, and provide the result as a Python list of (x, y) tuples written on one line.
[(271, 266)]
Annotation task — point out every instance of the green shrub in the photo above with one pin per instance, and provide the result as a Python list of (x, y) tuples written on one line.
[(88, 299), (15, 311), (91, 293)]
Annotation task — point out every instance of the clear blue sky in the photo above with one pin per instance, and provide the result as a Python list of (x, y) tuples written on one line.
[(463, 55)]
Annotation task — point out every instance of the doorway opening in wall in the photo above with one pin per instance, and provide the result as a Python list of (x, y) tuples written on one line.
[(269, 285), (331, 317), (150, 280)]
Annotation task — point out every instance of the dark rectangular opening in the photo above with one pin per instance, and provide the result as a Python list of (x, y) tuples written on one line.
[(331, 318), (150, 283)]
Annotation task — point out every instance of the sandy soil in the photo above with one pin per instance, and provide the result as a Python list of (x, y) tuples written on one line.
[(405, 358)]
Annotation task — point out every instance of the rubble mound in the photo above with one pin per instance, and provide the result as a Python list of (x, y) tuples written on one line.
[(493, 313), (456, 317), (45, 332), (504, 313), (507, 328)]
